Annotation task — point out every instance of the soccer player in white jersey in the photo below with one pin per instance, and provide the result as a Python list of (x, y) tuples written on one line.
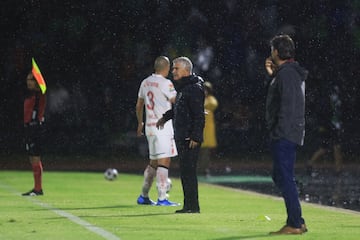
[(156, 94)]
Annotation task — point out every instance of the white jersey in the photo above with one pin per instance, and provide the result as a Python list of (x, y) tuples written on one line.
[(157, 92)]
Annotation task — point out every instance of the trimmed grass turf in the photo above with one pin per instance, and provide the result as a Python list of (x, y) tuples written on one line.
[(226, 213)]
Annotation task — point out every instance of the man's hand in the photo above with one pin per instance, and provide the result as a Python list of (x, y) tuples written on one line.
[(193, 144), (160, 123), (270, 66), (139, 131)]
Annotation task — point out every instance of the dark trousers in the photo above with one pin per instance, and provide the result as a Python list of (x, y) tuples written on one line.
[(284, 155), (188, 163)]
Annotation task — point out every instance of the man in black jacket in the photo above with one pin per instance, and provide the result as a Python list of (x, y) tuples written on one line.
[(285, 117), (188, 119)]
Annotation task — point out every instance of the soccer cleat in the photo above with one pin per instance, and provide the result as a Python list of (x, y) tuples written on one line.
[(145, 201), (33, 192), (166, 202)]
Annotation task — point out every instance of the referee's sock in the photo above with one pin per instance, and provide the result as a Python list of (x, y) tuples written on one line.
[(37, 172)]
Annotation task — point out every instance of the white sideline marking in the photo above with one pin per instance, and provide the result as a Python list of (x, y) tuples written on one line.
[(99, 231), (335, 209)]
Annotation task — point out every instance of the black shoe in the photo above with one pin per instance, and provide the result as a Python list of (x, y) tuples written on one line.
[(187, 211), (33, 193)]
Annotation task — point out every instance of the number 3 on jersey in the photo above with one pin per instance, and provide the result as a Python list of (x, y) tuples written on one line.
[(151, 103)]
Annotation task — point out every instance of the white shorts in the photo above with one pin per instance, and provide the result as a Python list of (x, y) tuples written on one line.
[(161, 146)]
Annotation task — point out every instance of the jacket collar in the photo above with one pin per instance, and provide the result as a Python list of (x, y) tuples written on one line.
[(184, 81)]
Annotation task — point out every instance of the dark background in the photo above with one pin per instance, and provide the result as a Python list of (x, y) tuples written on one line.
[(93, 55)]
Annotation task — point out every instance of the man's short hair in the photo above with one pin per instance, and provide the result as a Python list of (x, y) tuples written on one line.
[(185, 62), (285, 46), (161, 63)]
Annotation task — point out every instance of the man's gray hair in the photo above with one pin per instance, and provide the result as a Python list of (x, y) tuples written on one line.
[(185, 62)]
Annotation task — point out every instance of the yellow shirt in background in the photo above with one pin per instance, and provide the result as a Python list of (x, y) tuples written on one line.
[(210, 105)]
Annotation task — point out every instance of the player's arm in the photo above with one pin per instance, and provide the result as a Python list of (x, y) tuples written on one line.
[(140, 116), (172, 100), (170, 93)]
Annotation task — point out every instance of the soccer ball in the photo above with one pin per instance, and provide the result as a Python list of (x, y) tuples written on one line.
[(168, 185), (111, 174)]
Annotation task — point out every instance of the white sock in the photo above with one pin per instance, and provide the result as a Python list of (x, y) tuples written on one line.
[(149, 175), (162, 174)]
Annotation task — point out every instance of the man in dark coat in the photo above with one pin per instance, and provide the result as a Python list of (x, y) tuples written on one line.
[(285, 118), (188, 119)]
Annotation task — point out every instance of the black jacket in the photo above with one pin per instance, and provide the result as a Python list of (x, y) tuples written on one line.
[(188, 111), (285, 103)]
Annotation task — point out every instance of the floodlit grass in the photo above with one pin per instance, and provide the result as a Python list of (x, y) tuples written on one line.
[(86, 206)]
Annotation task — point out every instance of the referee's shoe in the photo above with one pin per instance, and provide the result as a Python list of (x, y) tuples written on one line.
[(33, 192)]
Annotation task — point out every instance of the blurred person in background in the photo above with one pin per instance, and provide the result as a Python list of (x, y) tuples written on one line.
[(330, 133), (34, 110), (210, 143), (285, 119)]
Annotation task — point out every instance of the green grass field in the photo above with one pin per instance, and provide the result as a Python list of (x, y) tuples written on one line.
[(86, 206)]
